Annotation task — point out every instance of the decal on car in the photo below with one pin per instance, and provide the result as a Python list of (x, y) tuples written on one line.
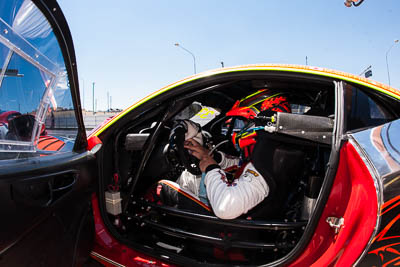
[(388, 240)]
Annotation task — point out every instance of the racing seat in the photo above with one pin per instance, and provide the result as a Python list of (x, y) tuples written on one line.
[(281, 164)]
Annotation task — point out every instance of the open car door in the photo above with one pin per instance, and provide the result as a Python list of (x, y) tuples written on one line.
[(45, 199)]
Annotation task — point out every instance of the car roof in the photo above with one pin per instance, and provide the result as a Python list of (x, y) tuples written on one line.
[(334, 74)]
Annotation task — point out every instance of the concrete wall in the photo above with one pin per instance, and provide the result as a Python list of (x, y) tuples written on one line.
[(65, 119)]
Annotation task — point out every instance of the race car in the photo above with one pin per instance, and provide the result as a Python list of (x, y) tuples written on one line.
[(92, 202)]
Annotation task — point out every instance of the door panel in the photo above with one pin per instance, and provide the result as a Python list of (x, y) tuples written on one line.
[(380, 148), (353, 198), (45, 210), (46, 174), (48, 237)]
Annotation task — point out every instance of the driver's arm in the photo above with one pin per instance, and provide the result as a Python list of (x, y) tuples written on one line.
[(230, 200), (224, 160)]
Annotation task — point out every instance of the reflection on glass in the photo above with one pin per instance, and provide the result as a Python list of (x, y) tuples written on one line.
[(36, 109)]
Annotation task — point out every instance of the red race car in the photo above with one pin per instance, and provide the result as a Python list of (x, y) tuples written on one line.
[(324, 141)]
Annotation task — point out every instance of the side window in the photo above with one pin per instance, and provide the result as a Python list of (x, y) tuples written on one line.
[(363, 111), (36, 109)]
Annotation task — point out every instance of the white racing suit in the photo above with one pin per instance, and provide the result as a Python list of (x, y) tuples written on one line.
[(191, 182), (228, 200)]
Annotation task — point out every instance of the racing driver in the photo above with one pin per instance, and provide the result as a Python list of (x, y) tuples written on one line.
[(250, 192)]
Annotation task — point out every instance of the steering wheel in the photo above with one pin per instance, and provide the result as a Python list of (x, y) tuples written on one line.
[(189, 162)]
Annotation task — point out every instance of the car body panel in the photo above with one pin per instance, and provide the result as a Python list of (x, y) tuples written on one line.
[(356, 204), (380, 148)]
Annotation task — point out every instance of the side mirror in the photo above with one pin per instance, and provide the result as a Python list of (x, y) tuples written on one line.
[(314, 128)]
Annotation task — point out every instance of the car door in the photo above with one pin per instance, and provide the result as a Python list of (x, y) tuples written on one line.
[(44, 192)]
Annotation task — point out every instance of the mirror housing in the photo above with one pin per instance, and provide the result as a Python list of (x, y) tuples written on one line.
[(314, 128)]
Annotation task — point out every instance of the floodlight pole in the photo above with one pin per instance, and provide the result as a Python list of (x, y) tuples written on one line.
[(194, 59), (387, 64), (108, 101)]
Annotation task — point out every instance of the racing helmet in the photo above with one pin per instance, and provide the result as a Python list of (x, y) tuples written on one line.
[(250, 114)]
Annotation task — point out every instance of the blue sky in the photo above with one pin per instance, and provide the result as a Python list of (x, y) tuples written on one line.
[(127, 47)]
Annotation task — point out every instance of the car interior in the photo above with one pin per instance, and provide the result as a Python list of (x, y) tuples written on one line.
[(142, 152)]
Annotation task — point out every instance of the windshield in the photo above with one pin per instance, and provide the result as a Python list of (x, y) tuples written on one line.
[(198, 113), (35, 98)]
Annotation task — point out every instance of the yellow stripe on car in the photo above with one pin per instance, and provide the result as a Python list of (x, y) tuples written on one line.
[(268, 67)]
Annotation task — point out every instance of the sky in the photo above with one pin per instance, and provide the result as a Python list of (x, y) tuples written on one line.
[(126, 47)]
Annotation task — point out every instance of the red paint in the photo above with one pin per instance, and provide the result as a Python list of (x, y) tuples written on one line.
[(354, 198), (108, 247), (93, 141)]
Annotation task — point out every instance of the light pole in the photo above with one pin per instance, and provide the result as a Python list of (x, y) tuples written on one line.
[(194, 59), (108, 101), (93, 98), (387, 64)]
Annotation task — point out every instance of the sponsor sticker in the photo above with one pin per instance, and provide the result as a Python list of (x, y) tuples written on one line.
[(254, 173)]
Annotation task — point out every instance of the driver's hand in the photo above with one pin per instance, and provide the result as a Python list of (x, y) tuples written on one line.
[(199, 152)]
